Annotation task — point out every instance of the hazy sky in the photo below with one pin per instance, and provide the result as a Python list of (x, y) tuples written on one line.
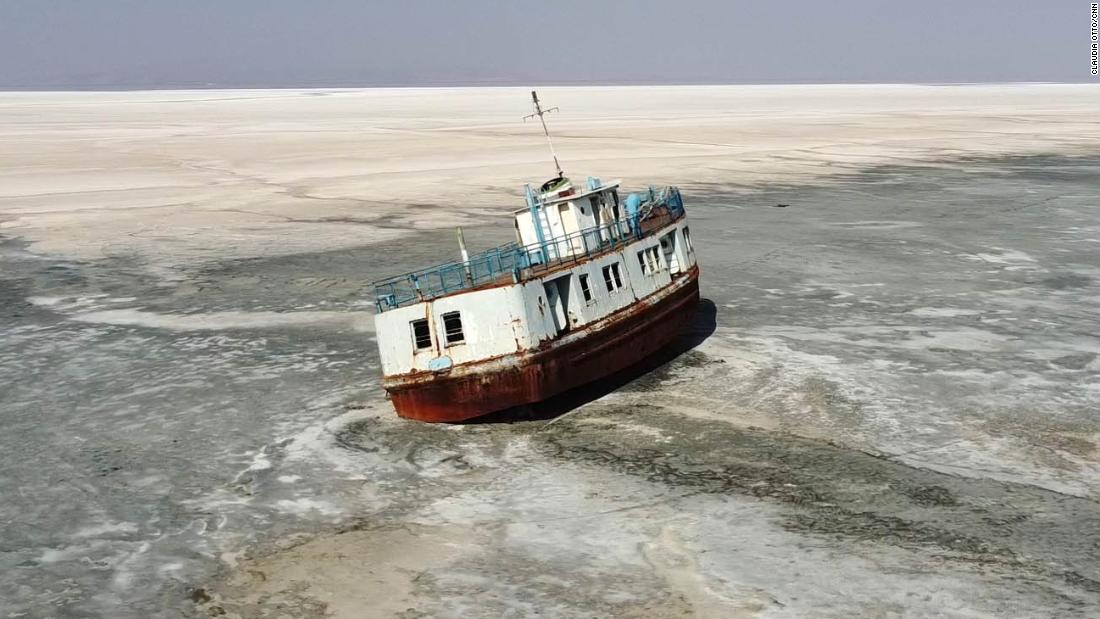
[(227, 43)]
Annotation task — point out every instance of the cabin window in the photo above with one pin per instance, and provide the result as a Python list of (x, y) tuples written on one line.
[(650, 260), (612, 278), (687, 238), (585, 291), (422, 336), (452, 328)]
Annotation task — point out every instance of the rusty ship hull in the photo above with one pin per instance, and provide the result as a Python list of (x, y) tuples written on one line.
[(577, 358)]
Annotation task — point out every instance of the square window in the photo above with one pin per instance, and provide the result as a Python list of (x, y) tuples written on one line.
[(452, 328), (642, 262), (607, 281), (422, 336), (615, 272)]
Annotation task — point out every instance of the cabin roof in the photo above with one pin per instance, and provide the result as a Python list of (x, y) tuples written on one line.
[(574, 196)]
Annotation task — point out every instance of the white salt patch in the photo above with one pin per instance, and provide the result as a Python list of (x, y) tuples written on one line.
[(943, 312), (82, 303), (992, 459), (876, 224), (232, 558), (45, 301), (124, 573), (359, 321), (307, 505), (894, 337), (107, 527), (260, 462), (54, 555), (316, 442), (289, 479), (1005, 256)]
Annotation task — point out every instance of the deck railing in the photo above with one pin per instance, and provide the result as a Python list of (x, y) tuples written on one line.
[(519, 263)]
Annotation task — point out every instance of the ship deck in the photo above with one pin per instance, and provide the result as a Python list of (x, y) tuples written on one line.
[(513, 263)]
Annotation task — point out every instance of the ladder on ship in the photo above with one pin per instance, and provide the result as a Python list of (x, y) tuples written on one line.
[(550, 246)]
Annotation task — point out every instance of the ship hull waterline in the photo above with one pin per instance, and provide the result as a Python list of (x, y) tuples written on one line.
[(627, 338)]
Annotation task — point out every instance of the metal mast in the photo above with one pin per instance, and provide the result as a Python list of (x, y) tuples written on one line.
[(540, 112)]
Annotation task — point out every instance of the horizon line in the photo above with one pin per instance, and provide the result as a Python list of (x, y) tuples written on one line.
[(488, 85)]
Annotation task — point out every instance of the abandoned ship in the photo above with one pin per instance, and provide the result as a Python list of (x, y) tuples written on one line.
[(593, 284)]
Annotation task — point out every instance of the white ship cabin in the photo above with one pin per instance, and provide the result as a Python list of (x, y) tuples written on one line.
[(581, 254)]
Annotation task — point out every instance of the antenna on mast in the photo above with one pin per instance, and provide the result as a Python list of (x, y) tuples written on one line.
[(540, 113)]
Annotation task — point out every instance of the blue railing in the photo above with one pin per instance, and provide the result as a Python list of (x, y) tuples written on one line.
[(523, 262)]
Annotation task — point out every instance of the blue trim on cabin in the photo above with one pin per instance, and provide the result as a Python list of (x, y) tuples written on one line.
[(521, 261)]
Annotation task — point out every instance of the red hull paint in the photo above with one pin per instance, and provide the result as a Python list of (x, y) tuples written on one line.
[(632, 335)]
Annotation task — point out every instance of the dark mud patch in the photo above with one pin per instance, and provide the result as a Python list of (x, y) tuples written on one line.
[(1074, 362), (407, 449), (1035, 534), (930, 496), (660, 376), (1066, 281)]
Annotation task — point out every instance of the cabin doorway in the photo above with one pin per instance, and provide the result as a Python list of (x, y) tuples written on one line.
[(604, 219), (557, 294)]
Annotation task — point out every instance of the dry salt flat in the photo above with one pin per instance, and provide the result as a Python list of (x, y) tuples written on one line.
[(887, 406)]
